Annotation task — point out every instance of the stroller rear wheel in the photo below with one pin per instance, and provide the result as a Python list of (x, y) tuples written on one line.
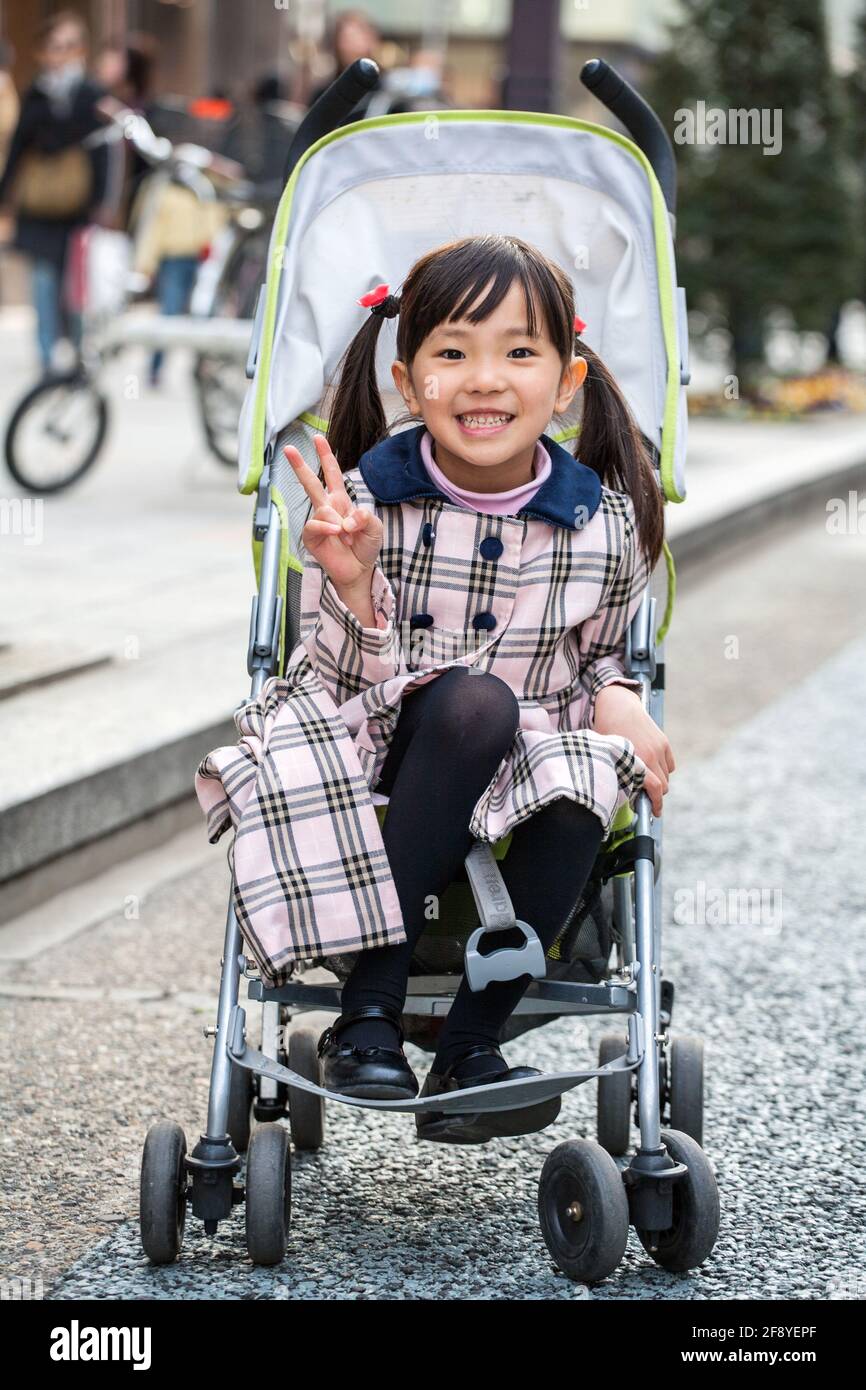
[(614, 1097), (241, 1096), (583, 1210), (691, 1237), (162, 1202), (268, 1194), (306, 1111), (686, 1085)]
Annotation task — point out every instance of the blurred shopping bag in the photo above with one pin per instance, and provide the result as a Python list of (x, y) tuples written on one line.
[(98, 266)]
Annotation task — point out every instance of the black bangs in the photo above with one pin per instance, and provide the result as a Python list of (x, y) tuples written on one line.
[(445, 284)]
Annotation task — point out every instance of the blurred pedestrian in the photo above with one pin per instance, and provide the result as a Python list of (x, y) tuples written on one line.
[(172, 227), (51, 183), (125, 69), (352, 34), (10, 107)]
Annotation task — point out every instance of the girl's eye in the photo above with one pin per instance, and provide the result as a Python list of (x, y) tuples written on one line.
[(459, 353)]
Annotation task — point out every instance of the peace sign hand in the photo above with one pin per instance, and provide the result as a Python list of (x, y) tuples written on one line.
[(344, 539)]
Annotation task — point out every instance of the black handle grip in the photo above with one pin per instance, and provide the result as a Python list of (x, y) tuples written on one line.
[(639, 119), (336, 102)]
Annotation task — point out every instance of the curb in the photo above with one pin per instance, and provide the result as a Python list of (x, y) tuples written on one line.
[(708, 538), (63, 822)]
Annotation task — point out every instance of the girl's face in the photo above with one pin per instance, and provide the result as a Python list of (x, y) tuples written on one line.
[(486, 392)]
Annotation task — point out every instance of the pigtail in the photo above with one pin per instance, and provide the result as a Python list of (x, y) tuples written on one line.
[(357, 416), (612, 445)]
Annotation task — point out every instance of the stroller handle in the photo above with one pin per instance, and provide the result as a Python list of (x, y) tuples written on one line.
[(639, 119), (336, 101)]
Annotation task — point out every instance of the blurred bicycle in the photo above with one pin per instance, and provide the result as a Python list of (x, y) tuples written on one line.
[(58, 429)]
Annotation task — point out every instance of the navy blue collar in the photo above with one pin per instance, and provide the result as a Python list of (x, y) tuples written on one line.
[(394, 472)]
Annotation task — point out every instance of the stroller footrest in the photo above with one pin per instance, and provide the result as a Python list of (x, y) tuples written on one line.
[(503, 1095)]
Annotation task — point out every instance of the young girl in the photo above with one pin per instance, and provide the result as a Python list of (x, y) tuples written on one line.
[(486, 535)]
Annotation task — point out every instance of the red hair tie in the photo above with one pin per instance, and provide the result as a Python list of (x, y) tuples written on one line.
[(579, 324), (374, 297), (380, 302)]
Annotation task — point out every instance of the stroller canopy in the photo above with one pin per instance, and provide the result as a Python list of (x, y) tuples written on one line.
[(368, 199)]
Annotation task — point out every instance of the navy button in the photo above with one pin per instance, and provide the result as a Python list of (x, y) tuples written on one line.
[(483, 620), (427, 533), (491, 547), (421, 620)]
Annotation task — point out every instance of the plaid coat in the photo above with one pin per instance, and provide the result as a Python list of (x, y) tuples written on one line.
[(542, 599)]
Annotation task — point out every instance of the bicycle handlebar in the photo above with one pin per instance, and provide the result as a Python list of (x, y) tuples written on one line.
[(158, 149), (639, 119)]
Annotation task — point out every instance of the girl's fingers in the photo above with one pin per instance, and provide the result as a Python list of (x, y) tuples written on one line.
[(655, 789), (331, 471), (306, 477), (324, 528)]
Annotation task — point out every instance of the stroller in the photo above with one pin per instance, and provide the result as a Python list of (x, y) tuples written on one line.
[(378, 193)]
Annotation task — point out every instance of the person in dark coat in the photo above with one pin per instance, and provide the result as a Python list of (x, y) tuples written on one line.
[(57, 111)]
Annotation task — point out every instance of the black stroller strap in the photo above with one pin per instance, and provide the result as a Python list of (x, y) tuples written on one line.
[(618, 860)]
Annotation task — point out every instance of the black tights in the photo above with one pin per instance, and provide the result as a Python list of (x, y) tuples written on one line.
[(450, 738)]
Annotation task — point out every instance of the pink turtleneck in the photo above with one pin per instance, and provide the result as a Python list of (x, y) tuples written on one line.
[(496, 503)]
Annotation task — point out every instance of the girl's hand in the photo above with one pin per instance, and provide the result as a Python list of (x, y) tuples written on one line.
[(618, 710), (344, 539)]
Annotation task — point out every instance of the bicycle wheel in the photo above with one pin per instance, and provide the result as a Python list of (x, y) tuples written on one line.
[(221, 386), (56, 432), (221, 383)]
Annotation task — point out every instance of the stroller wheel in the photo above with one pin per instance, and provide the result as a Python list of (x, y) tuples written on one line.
[(583, 1210), (268, 1194), (686, 1087), (240, 1100), (162, 1200), (306, 1111), (695, 1196), (614, 1097)]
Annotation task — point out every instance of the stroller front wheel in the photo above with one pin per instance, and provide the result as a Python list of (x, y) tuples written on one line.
[(583, 1210), (690, 1239), (268, 1194), (163, 1192)]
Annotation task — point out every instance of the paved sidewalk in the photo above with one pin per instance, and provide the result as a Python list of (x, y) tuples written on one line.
[(124, 629)]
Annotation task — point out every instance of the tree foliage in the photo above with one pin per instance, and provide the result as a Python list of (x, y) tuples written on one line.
[(757, 231)]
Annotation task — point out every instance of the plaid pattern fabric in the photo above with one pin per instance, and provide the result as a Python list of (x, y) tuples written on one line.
[(540, 603), (310, 875)]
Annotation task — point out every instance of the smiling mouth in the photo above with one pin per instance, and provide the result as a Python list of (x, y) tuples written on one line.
[(484, 422)]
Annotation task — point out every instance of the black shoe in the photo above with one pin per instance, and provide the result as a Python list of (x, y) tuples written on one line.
[(490, 1124), (372, 1073)]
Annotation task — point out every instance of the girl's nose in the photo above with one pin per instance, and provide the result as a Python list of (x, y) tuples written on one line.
[(485, 377)]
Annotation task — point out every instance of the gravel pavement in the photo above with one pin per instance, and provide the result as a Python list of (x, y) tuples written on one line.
[(375, 1214)]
